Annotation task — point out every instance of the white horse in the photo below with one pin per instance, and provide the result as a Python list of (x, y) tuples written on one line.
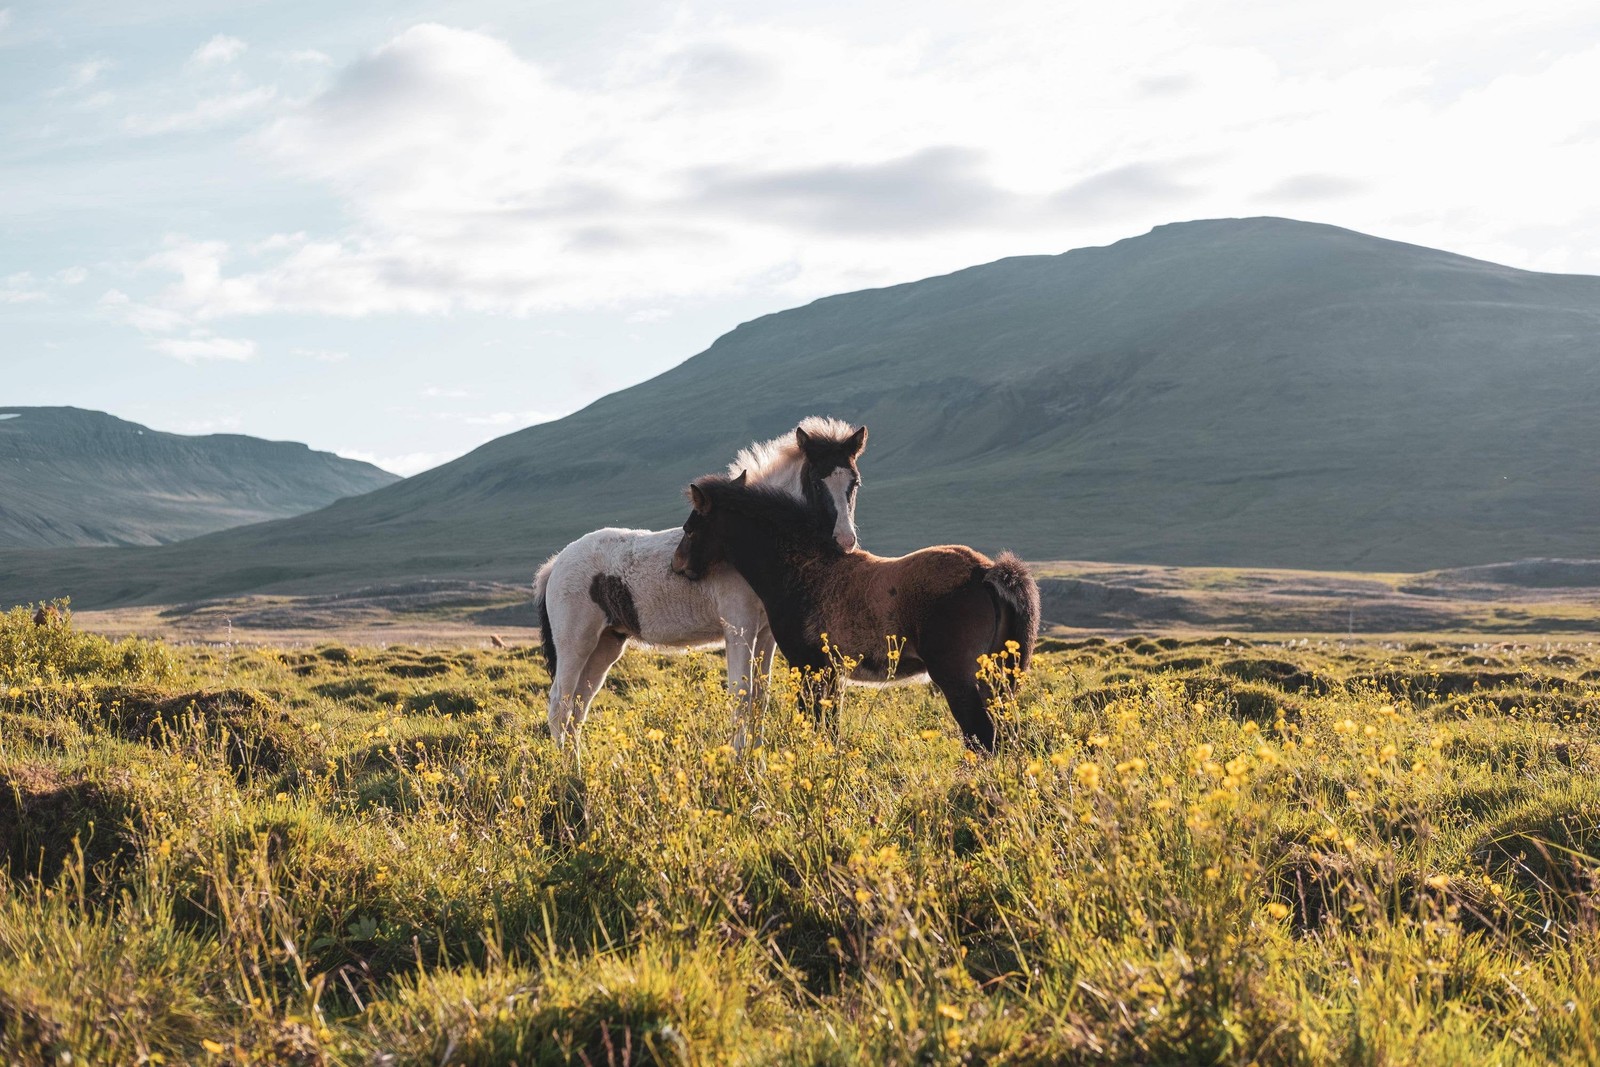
[(612, 585)]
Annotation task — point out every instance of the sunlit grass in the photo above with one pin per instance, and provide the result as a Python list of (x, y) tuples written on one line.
[(1186, 851)]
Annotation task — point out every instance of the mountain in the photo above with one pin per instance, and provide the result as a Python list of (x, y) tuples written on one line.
[(1255, 392), (75, 477)]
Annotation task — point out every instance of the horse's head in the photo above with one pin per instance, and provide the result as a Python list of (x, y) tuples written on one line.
[(701, 546), (829, 479)]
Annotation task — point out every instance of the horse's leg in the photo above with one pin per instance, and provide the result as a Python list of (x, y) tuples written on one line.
[(967, 704), (818, 693), (761, 665), (578, 625), (961, 627), (740, 644), (607, 650)]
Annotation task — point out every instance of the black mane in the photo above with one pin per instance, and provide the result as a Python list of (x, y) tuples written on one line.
[(772, 507)]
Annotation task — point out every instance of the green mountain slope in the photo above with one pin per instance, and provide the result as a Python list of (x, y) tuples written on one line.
[(74, 477), (1256, 391)]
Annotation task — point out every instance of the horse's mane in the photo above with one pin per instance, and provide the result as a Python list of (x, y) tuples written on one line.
[(777, 462), (765, 503)]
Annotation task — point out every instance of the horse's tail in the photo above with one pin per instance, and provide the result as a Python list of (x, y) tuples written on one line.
[(547, 638), (1011, 581)]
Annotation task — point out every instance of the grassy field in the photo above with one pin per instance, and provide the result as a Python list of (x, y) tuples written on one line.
[(1188, 851)]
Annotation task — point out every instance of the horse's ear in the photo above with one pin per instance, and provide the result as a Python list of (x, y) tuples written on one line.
[(698, 498), (802, 438), (858, 441), (744, 476)]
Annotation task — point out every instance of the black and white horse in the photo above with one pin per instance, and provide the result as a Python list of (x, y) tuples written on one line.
[(948, 605), (613, 585)]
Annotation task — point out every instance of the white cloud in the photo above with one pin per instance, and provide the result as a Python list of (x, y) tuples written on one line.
[(310, 57), (71, 275), (145, 318), (202, 346), (20, 288), (716, 158), (84, 74), (82, 77), (405, 463), (218, 51), (208, 112)]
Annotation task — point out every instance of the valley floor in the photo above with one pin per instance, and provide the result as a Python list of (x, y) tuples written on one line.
[(1534, 598), (1188, 850)]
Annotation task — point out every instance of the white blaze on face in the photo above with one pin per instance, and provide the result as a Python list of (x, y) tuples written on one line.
[(844, 508)]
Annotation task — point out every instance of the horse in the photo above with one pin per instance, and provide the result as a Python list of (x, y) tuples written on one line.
[(612, 586), (949, 605)]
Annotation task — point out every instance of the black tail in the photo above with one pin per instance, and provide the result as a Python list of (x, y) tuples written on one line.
[(1009, 578), (547, 639)]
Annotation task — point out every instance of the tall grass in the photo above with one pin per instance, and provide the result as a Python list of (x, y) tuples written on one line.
[(1185, 852)]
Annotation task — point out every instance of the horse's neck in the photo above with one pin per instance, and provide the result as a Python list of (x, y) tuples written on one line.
[(759, 559), (772, 564)]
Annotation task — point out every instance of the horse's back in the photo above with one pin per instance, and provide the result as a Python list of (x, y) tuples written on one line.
[(932, 570), (635, 566)]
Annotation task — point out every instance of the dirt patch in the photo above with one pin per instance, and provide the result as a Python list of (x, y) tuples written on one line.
[(46, 814), (259, 735), (416, 669), (1284, 675), (1551, 846)]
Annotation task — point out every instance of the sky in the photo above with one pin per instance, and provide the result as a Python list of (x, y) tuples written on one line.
[(398, 230)]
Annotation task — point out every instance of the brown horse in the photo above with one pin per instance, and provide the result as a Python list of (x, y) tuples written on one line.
[(950, 605)]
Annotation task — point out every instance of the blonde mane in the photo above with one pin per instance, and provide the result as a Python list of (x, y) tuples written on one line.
[(777, 462)]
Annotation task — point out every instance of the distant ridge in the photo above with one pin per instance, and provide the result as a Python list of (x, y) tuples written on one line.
[(74, 477), (1236, 392)]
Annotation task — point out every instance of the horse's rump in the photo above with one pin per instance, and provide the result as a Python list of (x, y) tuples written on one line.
[(865, 599), (1010, 578)]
